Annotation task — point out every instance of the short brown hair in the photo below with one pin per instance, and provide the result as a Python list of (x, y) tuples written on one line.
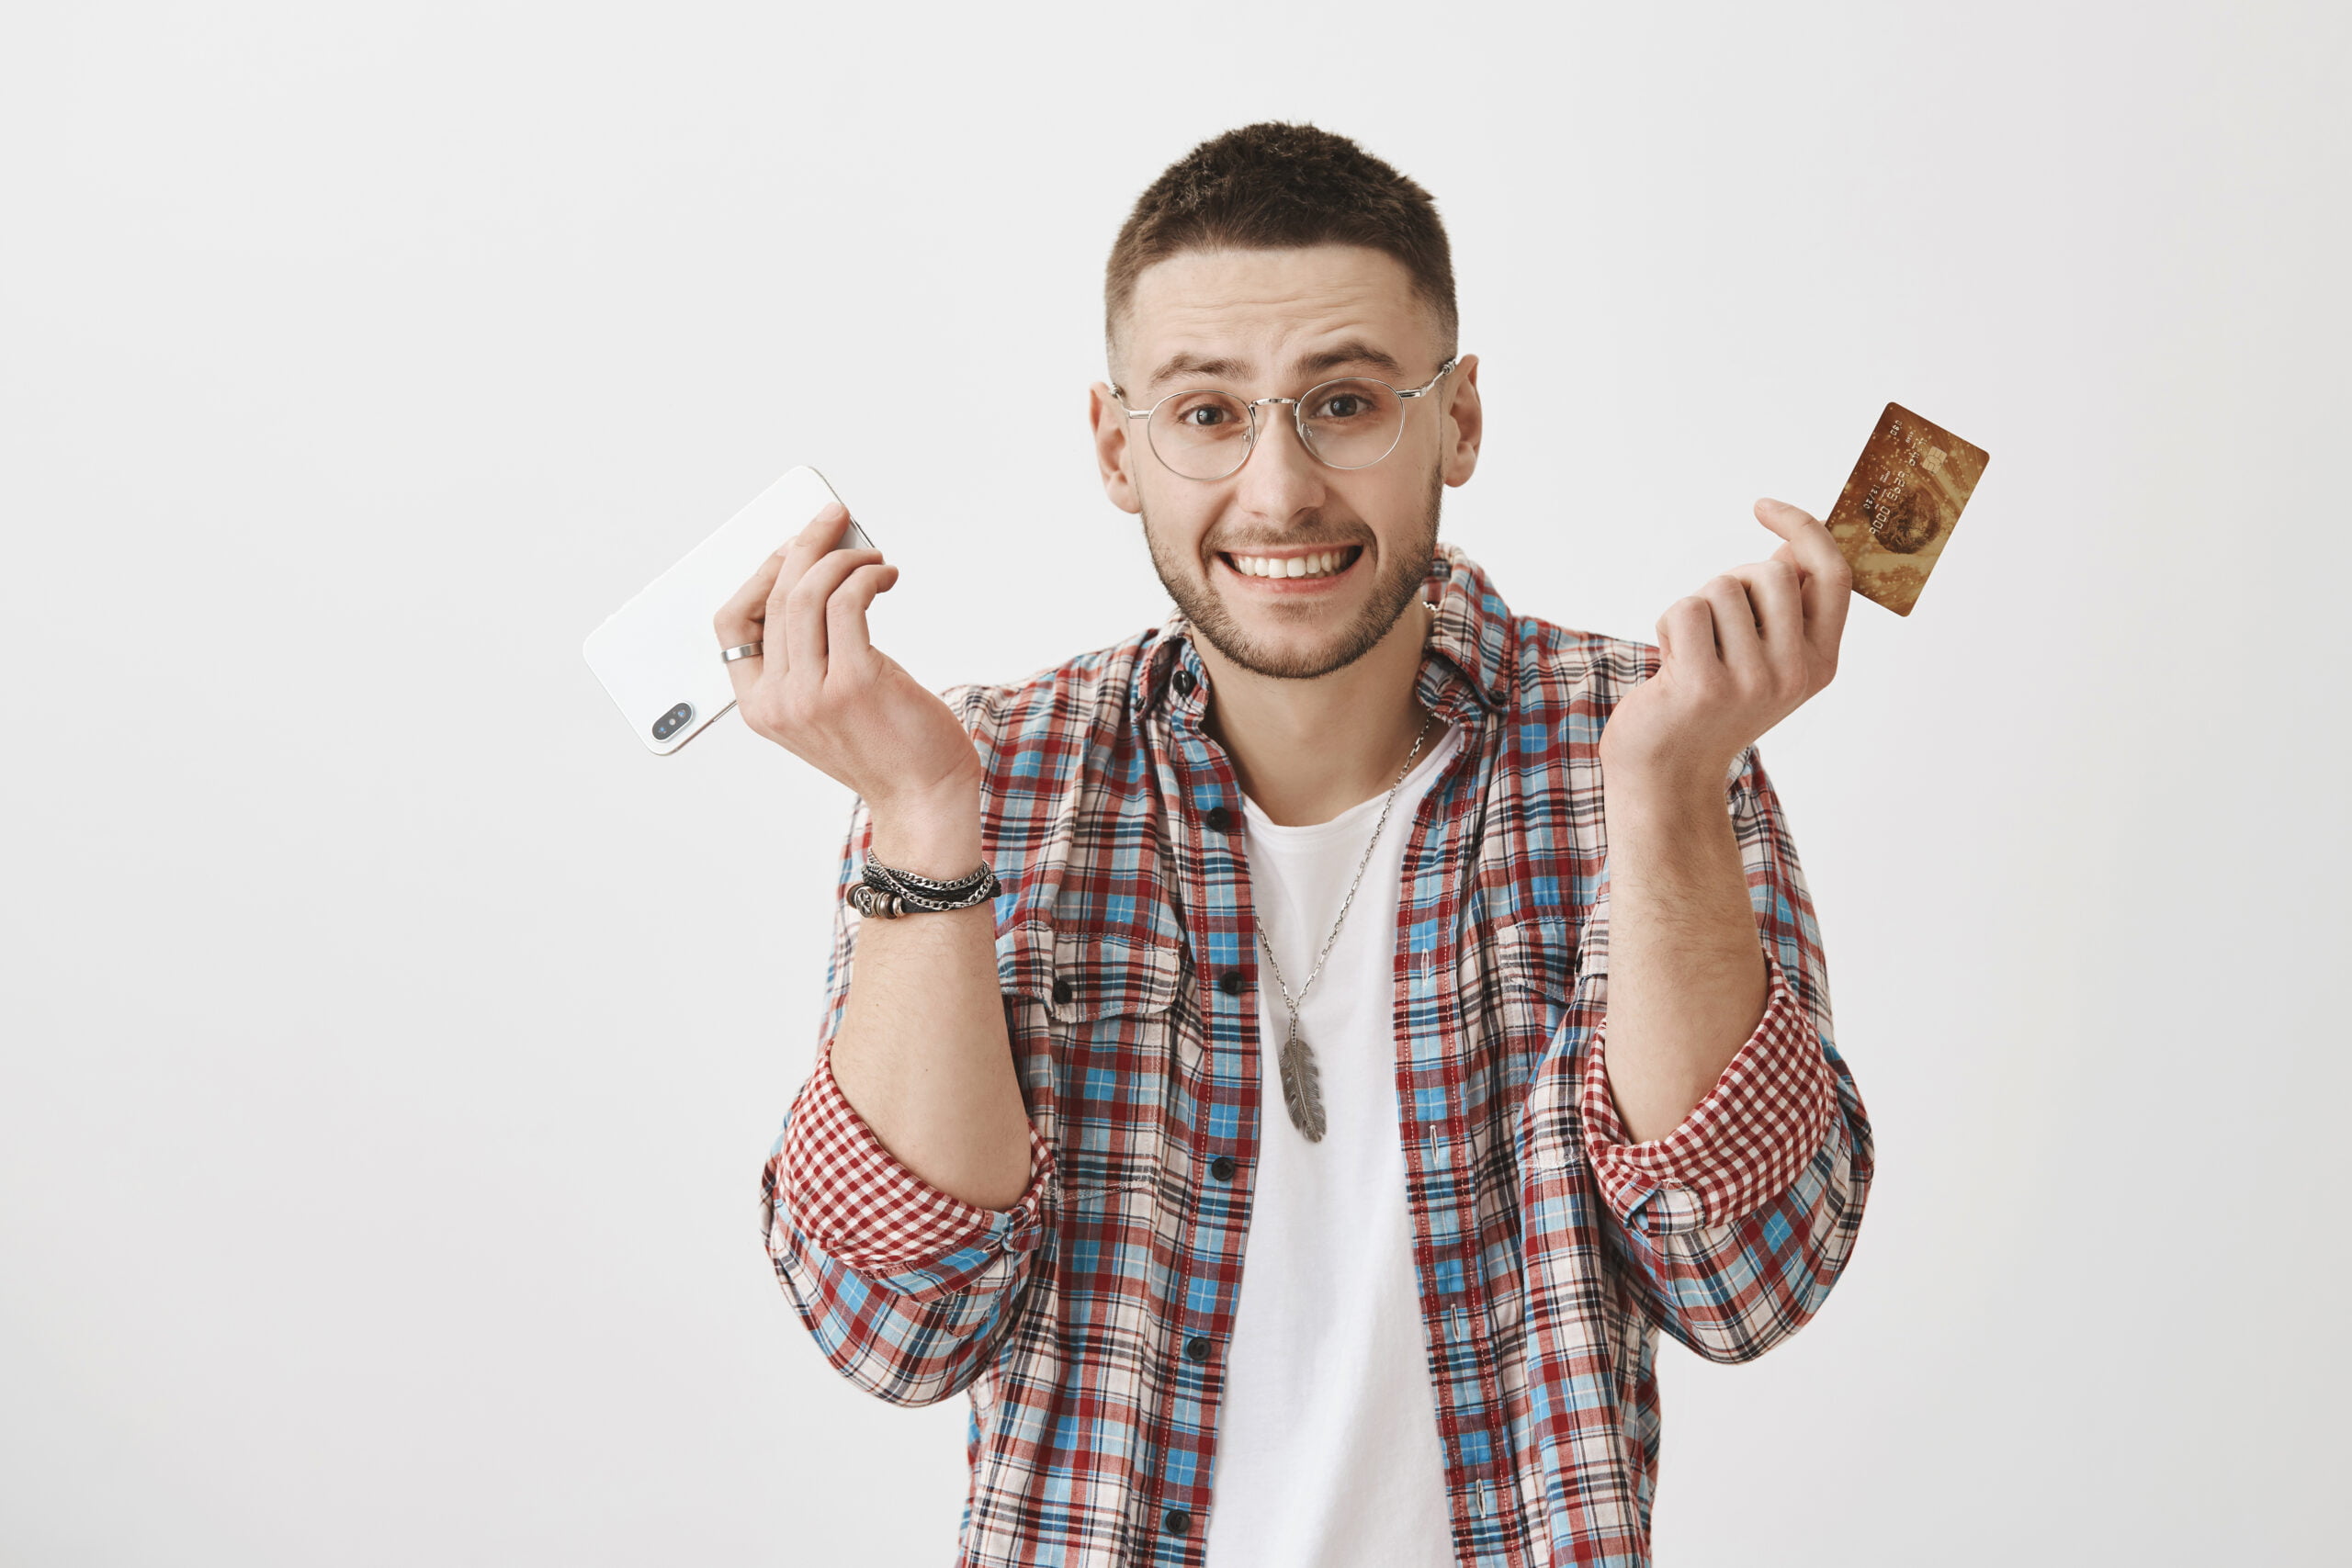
[(1280, 187)]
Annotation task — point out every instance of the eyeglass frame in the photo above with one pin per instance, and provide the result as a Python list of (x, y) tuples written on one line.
[(1298, 420)]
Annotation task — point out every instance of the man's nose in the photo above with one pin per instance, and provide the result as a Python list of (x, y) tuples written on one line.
[(1281, 477)]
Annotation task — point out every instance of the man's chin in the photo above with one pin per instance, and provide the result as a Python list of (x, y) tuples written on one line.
[(1287, 643), (1285, 657)]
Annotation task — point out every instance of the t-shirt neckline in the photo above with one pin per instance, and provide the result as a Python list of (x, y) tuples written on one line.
[(1363, 812)]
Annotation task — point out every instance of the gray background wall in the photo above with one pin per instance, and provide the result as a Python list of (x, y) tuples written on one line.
[(392, 1046)]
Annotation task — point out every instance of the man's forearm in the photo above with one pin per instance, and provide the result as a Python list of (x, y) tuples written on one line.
[(922, 1054), (1688, 982)]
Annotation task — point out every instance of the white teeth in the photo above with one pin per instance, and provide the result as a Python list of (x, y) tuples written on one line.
[(1319, 565)]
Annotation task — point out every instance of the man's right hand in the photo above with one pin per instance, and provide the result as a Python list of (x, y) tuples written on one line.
[(824, 691)]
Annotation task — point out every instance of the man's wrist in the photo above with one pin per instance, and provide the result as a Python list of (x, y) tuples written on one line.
[(1660, 787), (937, 836)]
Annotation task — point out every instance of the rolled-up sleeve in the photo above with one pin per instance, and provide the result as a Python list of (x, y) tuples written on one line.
[(1745, 1142), (862, 1207)]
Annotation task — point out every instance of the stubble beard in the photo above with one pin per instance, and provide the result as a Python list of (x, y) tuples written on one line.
[(1402, 574)]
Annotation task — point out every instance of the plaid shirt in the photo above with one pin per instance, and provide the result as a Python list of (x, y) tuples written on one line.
[(1088, 1322)]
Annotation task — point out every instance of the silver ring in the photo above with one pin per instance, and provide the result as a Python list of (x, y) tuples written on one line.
[(749, 650)]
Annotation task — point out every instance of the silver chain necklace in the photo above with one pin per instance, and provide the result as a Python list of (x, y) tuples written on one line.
[(1301, 1083)]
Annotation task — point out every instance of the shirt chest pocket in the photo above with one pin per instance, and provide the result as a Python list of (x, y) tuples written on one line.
[(1097, 1021), (1537, 971)]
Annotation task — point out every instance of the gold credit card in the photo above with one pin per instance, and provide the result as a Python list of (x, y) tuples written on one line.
[(1900, 503)]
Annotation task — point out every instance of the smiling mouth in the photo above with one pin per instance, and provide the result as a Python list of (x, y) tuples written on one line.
[(1308, 564)]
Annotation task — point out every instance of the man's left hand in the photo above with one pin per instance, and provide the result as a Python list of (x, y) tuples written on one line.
[(1737, 658)]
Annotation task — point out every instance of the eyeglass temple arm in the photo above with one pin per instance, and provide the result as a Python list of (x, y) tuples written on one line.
[(1421, 391)]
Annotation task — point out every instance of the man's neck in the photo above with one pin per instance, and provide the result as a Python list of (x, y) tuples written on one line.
[(1306, 751)]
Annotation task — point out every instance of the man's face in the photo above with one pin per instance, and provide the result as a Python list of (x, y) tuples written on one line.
[(1274, 323)]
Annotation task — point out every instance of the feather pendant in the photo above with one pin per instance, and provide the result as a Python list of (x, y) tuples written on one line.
[(1302, 1087)]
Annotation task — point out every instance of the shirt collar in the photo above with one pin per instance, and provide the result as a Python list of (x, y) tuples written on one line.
[(1462, 673)]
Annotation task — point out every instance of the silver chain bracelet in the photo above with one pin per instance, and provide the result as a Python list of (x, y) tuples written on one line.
[(890, 894)]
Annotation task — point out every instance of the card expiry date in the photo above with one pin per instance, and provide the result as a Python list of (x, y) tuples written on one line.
[(1900, 503)]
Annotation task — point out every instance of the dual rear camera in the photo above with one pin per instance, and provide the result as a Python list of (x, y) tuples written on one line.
[(670, 723)]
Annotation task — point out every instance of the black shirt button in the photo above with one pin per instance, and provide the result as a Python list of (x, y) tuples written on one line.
[(1230, 982), (1222, 1167), (1218, 818), (1183, 685), (1178, 1521), (1063, 990), (1198, 1348)]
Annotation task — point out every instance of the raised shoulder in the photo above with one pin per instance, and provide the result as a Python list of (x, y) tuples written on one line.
[(1560, 669), (1577, 678), (1066, 777), (1036, 728)]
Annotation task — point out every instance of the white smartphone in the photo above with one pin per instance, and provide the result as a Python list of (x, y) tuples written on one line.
[(657, 654)]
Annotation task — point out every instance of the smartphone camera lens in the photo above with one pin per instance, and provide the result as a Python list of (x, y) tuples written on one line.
[(670, 723)]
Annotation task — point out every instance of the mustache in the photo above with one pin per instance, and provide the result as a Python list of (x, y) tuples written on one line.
[(1244, 547)]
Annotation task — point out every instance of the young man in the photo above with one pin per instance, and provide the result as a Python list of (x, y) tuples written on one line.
[(1298, 1059)]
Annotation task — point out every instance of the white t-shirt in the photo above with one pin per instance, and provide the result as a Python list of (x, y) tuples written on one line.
[(1326, 1450)]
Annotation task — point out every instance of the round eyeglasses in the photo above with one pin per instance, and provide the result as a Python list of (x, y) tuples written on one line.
[(1207, 435)]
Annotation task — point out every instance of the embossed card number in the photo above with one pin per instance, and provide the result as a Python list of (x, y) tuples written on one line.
[(1899, 505)]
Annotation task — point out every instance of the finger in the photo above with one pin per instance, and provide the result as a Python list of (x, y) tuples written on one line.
[(1776, 590), (740, 619), (745, 619), (802, 631), (743, 674), (848, 648), (1829, 581), (808, 546), (1686, 636), (1735, 614)]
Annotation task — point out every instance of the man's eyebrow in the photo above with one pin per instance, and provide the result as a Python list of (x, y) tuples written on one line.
[(1207, 367), (1352, 353), (1222, 367)]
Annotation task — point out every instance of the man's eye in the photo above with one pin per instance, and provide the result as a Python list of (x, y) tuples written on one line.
[(1205, 416), (1342, 405)]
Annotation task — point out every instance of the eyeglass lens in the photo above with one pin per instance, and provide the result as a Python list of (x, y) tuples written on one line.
[(1206, 435)]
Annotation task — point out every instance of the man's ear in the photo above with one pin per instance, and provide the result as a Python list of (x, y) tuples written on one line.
[(1112, 451), (1465, 423)]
